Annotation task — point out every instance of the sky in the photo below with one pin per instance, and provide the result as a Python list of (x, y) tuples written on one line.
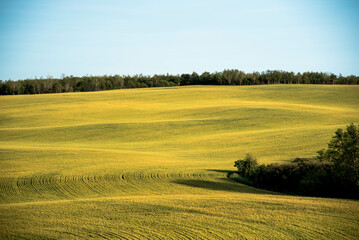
[(40, 38)]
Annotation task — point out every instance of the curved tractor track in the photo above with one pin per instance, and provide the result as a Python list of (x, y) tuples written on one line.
[(54, 186)]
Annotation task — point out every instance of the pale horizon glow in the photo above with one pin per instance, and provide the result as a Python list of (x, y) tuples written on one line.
[(50, 38)]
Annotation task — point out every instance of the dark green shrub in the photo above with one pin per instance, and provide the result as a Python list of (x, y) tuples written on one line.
[(247, 165)]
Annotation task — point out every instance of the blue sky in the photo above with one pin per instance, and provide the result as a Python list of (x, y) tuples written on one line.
[(50, 38)]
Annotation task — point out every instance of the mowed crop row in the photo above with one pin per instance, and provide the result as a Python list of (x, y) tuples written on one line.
[(151, 163), (48, 187)]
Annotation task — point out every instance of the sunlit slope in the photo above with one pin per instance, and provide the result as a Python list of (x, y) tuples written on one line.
[(201, 126), (102, 164)]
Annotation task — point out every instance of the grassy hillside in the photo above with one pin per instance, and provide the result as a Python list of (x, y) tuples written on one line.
[(150, 163)]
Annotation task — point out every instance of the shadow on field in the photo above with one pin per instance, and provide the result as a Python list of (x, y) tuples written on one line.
[(223, 184), (229, 172)]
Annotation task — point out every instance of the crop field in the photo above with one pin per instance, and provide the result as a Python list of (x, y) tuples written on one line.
[(152, 163)]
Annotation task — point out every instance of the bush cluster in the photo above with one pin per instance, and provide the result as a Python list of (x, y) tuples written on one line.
[(333, 173)]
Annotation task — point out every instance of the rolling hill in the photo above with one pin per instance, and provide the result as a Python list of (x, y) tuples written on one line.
[(151, 163)]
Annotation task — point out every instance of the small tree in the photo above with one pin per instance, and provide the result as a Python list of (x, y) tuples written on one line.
[(343, 151), (247, 165)]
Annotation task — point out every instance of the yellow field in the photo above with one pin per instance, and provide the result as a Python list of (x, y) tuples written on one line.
[(150, 163)]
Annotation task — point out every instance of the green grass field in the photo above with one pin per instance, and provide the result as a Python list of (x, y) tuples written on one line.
[(150, 163)]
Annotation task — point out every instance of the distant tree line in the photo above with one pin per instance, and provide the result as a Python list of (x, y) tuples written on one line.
[(226, 77), (333, 173)]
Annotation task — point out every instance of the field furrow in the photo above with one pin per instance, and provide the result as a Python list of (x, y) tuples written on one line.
[(56, 187)]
